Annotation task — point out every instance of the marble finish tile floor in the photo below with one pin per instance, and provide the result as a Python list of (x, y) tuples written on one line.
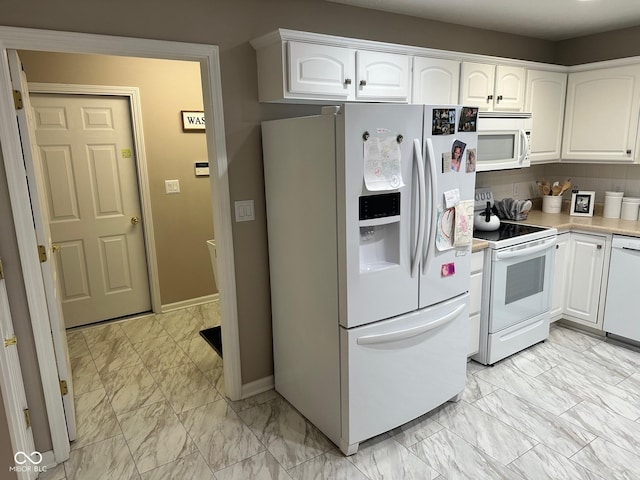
[(151, 406)]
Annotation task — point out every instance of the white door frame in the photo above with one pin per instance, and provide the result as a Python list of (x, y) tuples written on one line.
[(133, 95), (53, 41)]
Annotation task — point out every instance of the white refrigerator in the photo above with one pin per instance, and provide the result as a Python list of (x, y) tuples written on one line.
[(369, 216)]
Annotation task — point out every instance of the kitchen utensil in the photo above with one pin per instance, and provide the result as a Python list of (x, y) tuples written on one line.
[(546, 189), (556, 189), (566, 185), (486, 220)]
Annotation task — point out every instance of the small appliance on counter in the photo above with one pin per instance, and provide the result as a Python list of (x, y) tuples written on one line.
[(485, 219), (516, 288)]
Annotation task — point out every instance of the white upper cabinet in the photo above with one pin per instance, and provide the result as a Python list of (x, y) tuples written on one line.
[(382, 76), (545, 97), (492, 87), (435, 81), (315, 72), (601, 116), (319, 70)]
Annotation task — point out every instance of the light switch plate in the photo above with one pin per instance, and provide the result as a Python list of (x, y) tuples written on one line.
[(244, 211), (171, 186)]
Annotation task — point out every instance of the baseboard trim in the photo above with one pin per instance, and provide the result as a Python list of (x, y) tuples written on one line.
[(258, 386), (48, 460), (190, 302)]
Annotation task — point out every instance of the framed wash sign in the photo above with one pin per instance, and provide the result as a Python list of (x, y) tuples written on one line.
[(192, 120)]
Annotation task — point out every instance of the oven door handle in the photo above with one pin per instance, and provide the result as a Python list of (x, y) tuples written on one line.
[(526, 251), (410, 332)]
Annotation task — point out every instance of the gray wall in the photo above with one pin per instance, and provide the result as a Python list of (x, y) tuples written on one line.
[(595, 48)]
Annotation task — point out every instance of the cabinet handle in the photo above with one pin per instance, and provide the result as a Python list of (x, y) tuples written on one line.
[(347, 81), (499, 98), (599, 247), (557, 246), (490, 97), (628, 152), (363, 83)]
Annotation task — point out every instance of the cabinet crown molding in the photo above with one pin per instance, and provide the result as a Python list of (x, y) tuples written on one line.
[(284, 35)]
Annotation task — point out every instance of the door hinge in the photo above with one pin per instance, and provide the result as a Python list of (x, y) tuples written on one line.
[(10, 341), (63, 387), (17, 100), (42, 253), (1, 271), (27, 417)]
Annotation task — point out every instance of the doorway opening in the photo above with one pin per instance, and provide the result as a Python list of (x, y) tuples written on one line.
[(207, 56)]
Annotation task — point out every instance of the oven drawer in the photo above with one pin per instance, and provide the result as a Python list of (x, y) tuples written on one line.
[(395, 370), (517, 338)]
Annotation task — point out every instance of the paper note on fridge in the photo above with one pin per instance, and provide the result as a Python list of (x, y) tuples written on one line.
[(382, 163)]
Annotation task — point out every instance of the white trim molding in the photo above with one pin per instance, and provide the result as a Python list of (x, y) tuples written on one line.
[(190, 302), (66, 42), (258, 386)]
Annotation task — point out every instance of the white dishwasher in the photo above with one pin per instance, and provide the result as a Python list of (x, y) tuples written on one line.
[(623, 302)]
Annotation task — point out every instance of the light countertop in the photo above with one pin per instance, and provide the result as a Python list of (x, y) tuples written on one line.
[(564, 222)]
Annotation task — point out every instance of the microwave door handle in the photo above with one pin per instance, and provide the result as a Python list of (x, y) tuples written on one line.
[(524, 142), (434, 202), (421, 206)]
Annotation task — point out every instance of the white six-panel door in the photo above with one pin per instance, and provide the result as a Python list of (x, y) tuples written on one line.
[(89, 171)]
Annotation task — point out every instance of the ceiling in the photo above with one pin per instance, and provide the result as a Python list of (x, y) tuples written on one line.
[(547, 19)]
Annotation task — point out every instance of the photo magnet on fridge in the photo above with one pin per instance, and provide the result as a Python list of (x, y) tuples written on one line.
[(457, 150), (468, 119), (471, 160), (446, 162), (444, 121)]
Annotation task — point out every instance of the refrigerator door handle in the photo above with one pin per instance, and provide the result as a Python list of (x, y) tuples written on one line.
[(422, 206), (410, 332), (434, 202)]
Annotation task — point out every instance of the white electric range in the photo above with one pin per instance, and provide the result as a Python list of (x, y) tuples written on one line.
[(516, 287)]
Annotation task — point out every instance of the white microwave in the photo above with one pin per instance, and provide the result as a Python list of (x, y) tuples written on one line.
[(503, 140)]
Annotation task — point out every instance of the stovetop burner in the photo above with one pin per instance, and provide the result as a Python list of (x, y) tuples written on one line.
[(506, 231)]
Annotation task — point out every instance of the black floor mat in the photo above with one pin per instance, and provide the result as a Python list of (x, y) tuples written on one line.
[(213, 336)]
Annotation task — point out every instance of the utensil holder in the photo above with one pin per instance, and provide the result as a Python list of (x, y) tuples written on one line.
[(551, 203)]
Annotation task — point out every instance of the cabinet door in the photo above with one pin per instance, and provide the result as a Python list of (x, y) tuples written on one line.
[(382, 76), (545, 97), (477, 81), (320, 71), (560, 276), (601, 116), (435, 81), (586, 261), (509, 89)]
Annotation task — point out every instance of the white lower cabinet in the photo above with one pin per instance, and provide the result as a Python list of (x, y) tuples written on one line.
[(475, 302), (586, 278), (560, 270)]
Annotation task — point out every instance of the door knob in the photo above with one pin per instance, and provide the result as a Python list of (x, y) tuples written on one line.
[(135, 220), (55, 248)]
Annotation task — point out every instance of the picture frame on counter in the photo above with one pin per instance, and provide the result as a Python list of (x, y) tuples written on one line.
[(582, 203)]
